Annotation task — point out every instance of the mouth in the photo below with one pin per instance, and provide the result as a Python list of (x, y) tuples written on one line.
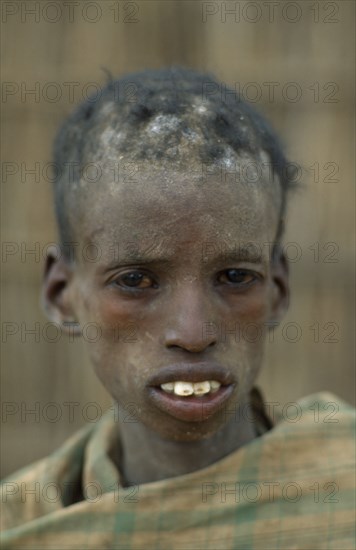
[(191, 392)]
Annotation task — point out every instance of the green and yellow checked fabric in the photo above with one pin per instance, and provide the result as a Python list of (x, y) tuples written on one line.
[(291, 488)]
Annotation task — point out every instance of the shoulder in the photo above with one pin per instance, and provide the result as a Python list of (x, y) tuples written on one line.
[(322, 411), (315, 438), (43, 486)]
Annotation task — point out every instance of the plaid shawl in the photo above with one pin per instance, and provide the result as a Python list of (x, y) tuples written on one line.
[(290, 488)]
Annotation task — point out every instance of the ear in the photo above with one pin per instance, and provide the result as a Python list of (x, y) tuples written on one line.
[(280, 283), (56, 302)]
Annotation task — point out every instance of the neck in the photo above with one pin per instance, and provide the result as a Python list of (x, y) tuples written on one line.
[(147, 457)]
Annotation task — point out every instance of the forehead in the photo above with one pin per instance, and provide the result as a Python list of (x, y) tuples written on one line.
[(160, 204)]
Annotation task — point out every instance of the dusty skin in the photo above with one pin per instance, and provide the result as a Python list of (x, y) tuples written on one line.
[(166, 282)]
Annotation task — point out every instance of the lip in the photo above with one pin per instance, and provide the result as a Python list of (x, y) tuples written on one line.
[(192, 408), (191, 372)]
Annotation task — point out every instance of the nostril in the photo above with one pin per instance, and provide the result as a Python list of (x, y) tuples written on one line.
[(191, 347)]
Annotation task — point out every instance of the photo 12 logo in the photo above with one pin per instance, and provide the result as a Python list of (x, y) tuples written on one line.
[(69, 11), (270, 12)]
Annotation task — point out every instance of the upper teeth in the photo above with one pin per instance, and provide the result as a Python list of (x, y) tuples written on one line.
[(188, 388)]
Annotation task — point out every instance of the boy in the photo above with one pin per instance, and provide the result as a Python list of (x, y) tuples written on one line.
[(187, 257)]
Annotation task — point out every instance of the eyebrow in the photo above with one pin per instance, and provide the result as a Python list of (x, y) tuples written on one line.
[(240, 255), (131, 259), (249, 251)]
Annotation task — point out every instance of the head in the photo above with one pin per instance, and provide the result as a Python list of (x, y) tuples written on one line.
[(170, 198)]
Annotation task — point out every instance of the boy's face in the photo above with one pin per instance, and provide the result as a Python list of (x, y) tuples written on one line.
[(182, 289)]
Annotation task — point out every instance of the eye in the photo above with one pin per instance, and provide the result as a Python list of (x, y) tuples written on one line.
[(135, 280), (240, 277)]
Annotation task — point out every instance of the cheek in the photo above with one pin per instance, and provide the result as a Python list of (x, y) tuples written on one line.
[(246, 328), (106, 311), (252, 307), (117, 354)]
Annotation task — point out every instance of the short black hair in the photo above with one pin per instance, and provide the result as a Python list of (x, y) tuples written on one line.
[(181, 103)]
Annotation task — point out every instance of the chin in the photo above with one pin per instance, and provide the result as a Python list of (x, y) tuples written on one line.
[(188, 431)]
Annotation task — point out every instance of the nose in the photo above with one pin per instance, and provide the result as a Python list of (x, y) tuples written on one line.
[(190, 312)]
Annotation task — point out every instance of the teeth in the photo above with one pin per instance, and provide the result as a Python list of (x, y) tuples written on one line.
[(214, 385), (201, 388), (187, 388), (169, 387), (183, 388)]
